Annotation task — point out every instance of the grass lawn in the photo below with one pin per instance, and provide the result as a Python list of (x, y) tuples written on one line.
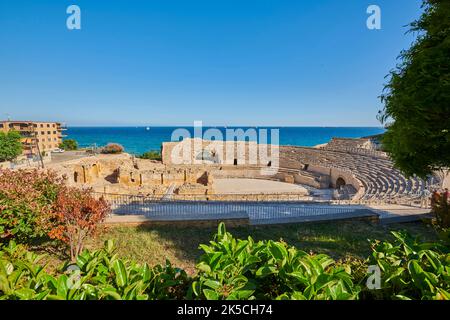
[(340, 240)]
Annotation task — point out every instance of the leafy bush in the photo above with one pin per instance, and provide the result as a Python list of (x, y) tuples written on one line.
[(245, 269), (151, 155), (232, 269), (112, 148), (10, 145), (36, 203), (76, 217), (26, 201), (416, 99), (97, 275), (69, 145), (412, 269)]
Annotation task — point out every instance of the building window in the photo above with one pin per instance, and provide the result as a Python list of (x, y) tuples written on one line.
[(48, 125)]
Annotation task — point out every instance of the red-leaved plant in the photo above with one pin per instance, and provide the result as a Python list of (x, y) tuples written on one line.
[(36, 203), (77, 215), (112, 148), (26, 201), (440, 203)]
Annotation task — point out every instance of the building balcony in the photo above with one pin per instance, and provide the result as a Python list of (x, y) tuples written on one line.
[(20, 129), (27, 134), (29, 145)]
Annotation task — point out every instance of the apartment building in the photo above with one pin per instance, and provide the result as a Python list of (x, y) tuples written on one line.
[(37, 137)]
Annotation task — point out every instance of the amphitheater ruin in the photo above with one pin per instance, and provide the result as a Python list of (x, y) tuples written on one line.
[(351, 170)]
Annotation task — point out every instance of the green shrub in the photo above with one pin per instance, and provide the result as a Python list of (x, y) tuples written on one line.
[(112, 148), (69, 145), (97, 275), (412, 269), (245, 269), (10, 145), (229, 269), (232, 269), (151, 155)]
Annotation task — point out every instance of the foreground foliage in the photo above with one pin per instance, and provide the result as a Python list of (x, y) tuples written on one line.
[(35, 204), (76, 216), (94, 276), (232, 269), (412, 269), (245, 269), (26, 200)]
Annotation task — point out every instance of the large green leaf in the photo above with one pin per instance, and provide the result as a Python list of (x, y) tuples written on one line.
[(62, 289), (277, 250), (121, 273), (210, 294), (213, 284)]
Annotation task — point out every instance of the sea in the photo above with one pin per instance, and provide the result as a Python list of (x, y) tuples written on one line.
[(137, 140)]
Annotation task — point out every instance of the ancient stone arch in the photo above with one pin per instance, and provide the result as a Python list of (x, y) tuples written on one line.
[(340, 182)]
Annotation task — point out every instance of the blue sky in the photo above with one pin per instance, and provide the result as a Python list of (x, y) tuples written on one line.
[(225, 62)]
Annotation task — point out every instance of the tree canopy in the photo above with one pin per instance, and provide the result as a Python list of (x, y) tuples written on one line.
[(69, 144), (10, 145), (417, 97), (151, 155)]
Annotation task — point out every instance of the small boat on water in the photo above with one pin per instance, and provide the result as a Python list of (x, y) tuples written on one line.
[(148, 128)]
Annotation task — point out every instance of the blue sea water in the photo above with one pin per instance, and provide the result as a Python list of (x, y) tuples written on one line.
[(137, 140)]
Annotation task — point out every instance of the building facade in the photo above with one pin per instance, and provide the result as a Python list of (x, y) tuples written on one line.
[(37, 137)]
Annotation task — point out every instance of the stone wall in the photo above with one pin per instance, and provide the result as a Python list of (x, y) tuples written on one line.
[(86, 173), (318, 181), (197, 151), (334, 174), (125, 172)]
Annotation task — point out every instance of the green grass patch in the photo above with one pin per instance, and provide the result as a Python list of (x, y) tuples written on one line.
[(340, 240)]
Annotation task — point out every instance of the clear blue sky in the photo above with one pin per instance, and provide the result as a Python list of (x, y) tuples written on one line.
[(226, 62)]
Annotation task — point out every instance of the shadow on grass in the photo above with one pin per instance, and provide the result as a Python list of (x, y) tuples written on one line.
[(340, 240), (50, 247)]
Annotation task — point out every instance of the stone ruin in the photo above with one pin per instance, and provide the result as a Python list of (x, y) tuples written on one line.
[(341, 165)]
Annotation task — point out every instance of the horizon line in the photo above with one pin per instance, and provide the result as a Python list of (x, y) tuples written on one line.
[(222, 126)]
